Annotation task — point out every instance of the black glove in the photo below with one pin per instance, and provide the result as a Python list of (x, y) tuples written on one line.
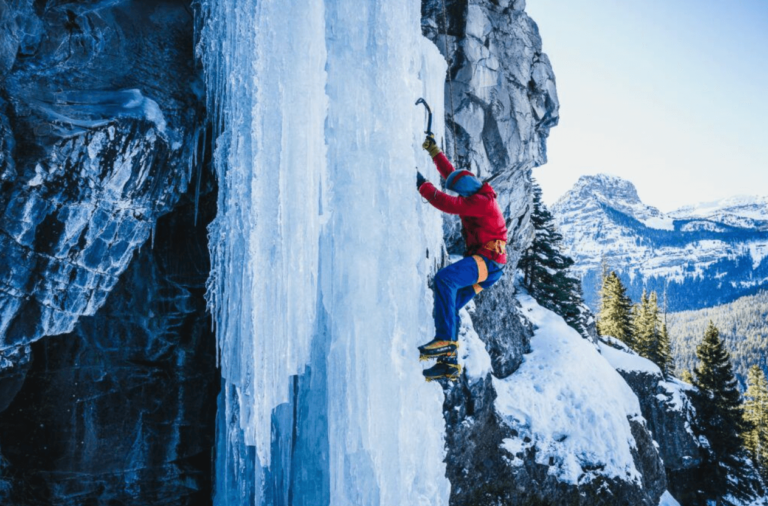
[(419, 180)]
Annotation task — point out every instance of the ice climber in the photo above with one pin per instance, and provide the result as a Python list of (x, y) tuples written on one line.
[(485, 235)]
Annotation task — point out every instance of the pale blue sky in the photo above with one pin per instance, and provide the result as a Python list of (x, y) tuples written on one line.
[(670, 94)]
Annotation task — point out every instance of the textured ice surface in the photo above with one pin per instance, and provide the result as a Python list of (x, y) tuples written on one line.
[(321, 251)]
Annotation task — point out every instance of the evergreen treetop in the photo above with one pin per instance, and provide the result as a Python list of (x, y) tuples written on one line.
[(615, 317), (720, 417), (545, 269), (756, 419), (722, 406)]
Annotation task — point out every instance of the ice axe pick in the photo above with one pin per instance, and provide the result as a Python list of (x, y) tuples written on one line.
[(429, 116)]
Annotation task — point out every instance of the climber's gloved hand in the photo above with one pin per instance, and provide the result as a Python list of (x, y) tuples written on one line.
[(431, 146), (420, 180)]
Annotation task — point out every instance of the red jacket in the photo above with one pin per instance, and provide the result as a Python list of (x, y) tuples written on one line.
[(480, 215)]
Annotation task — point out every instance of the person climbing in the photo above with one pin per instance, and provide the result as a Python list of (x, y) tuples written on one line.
[(485, 235)]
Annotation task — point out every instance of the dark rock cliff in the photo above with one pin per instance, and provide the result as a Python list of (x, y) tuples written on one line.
[(669, 406), (670, 417), (107, 363)]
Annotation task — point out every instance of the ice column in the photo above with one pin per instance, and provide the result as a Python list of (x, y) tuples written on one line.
[(318, 141), (265, 70), (385, 423)]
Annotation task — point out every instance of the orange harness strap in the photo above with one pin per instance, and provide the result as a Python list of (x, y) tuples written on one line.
[(497, 246), (482, 273)]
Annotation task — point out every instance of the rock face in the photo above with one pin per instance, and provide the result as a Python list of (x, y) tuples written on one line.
[(501, 103), (99, 115), (122, 409), (100, 121), (667, 408), (700, 255)]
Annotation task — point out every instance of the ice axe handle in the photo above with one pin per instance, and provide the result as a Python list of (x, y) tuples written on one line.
[(429, 117)]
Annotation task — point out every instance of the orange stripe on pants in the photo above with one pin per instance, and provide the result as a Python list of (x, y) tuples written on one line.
[(482, 273)]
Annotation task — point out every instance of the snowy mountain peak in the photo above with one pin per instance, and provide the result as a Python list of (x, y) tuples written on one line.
[(700, 255), (608, 187), (740, 211), (592, 192)]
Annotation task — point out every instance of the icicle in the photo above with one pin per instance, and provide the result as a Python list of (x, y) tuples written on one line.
[(200, 166), (314, 155)]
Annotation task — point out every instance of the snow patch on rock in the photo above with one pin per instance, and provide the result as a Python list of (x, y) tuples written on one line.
[(668, 500), (472, 353), (569, 404), (626, 359)]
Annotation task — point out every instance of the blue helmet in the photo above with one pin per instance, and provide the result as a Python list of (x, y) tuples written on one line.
[(463, 182)]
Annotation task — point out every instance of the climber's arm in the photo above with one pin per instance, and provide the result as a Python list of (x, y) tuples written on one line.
[(449, 204)]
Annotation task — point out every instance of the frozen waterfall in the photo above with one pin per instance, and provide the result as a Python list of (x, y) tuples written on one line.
[(321, 251)]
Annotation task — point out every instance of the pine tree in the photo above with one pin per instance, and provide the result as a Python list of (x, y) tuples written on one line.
[(651, 339), (666, 361), (545, 269), (644, 328), (615, 318), (719, 409), (665, 344), (687, 376), (756, 419)]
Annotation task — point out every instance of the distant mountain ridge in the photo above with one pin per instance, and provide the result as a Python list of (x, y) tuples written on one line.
[(702, 255)]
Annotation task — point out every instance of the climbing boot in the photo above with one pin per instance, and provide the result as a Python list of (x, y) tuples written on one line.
[(447, 368), (438, 348)]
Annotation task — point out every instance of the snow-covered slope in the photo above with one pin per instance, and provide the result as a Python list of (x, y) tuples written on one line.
[(565, 421), (568, 406), (741, 210), (703, 255)]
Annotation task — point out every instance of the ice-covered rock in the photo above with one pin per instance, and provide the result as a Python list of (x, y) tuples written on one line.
[(97, 134), (101, 122), (122, 409)]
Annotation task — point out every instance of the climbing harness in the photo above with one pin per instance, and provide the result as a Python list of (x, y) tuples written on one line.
[(498, 246)]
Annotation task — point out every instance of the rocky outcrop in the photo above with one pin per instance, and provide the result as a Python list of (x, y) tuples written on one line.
[(122, 409), (98, 121), (670, 414), (501, 101), (104, 247), (558, 430)]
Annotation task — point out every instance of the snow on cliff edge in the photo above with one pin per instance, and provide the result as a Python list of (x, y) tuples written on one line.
[(569, 403)]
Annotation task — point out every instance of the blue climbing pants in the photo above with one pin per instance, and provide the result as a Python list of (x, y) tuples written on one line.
[(455, 285)]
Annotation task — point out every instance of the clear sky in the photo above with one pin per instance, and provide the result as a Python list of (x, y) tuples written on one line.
[(670, 94)]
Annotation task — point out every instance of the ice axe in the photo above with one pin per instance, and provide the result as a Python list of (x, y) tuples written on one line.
[(429, 117)]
